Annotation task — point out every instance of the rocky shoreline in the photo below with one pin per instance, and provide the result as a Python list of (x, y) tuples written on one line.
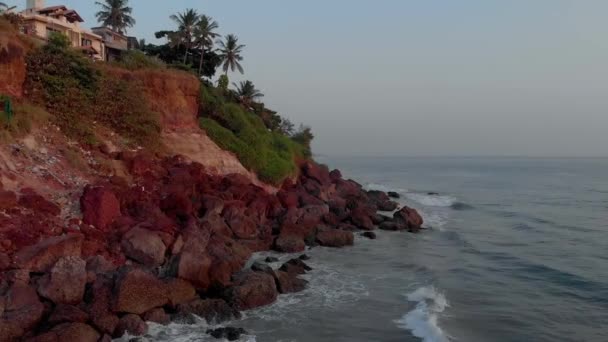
[(168, 245)]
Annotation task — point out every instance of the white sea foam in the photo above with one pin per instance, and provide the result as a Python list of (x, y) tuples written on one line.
[(183, 333), (431, 200), (422, 321), (382, 187)]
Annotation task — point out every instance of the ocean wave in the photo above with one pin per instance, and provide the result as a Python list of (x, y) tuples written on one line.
[(382, 187), (431, 200), (182, 333), (422, 321)]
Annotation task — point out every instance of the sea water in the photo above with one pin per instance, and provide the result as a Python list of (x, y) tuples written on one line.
[(516, 250)]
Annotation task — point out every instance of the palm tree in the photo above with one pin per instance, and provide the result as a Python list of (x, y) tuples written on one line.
[(186, 23), (115, 14), (230, 54), (205, 35), (247, 92)]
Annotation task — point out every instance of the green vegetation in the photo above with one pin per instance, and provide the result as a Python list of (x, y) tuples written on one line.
[(230, 53), (135, 60), (115, 14), (247, 92), (25, 117), (78, 93)]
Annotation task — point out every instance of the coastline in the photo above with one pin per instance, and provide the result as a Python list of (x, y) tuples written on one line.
[(174, 245)]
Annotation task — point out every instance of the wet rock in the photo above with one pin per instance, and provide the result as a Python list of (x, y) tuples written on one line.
[(335, 238), (261, 267), (144, 246), (289, 244), (271, 259), (304, 257), (393, 194), (295, 266), (99, 207), (389, 225), (228, 333), (251, 290), (212, 310), (70, 332), (43, 255), (179, 291), (409, 219), (369, 235), (138, 291), (432, 193), (378, 219), (132, 325), (158, 316), (66, 281), (361, 218), (381, 200), (289, 282)]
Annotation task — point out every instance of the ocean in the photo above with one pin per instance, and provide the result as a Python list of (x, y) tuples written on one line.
[(516, 250)]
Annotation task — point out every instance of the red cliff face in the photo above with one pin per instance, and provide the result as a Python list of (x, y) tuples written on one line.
[(12, 64), (172, 94)]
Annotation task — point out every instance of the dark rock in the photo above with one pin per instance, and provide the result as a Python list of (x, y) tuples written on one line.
[(179, 291), (389, 225), (144, 246), (271, 259), (289, 282), (251, 290), (67, 313), (21, 312), (378, 219), (304, 257), (228, 333), (369, 235), (335, 175), (100, 299), (432, 193), (138, 291), (8, 200), (212, 310), (158, 316), (71, 332), (361, 218), (65, 284), (261, 267), (335, 238), (393, 194), (295, 266), (43, 255)]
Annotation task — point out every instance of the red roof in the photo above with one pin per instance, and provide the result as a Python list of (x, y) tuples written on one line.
[(71, 15)]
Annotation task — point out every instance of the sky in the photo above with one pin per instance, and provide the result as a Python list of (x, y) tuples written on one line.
[(419, 78)]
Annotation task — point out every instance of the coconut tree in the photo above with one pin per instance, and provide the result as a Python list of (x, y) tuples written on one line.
[(204, 34), (186, 23), (230, 53), (247, 92), (115, 14)]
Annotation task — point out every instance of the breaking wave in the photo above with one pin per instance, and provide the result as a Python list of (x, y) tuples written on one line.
[(422, 321)]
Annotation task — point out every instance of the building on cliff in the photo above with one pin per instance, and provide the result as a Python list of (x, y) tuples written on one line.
[(115, 42), (40, 21)]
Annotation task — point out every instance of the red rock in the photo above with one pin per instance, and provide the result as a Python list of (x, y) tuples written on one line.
[(43, 255), (212, 310), (289, 283), (409, 219), (67, 313), (335, 238), (309, 200), (335, 175), (179, 291), (289, 199), (320, 173), (252, 290), (212, 205), (99, 207), (138, 291), (215, 224), (8, 200), (158, 316), (295, 267), (241, 225), (289, 244), (101, 304), (22, 312), (66, 281), (144, 246), (346, 188), (76, 332), (361, 218), (5, 262), (132, 325), (32, 200)]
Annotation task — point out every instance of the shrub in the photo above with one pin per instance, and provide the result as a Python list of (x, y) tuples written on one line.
[(135, 60), (25, 117)]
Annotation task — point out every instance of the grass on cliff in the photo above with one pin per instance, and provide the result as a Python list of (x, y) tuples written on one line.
[(25, 117), (79, 95), (271, 155)]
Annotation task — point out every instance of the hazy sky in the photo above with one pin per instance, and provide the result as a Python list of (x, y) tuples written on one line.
[(426, 77)]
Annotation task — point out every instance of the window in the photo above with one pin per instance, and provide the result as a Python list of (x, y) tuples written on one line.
[(50, 30), (86, 42)]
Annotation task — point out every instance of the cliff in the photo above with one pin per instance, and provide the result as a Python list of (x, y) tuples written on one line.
[(13, 50)]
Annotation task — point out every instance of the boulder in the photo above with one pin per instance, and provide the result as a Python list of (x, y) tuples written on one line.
[(100, 305), (251, 290), (179, 291), (271, 259), (212, 310), (381, 200), (243, 226), (67, 313), (409, 219), (43, 255), (361, 218), (335, 175), (261, 267), (369, 235), (138, 291), (158, 316), (377, 219), (132, 325), (22, 312), (289, 244), (288, 282), (66, 281), (335, 238), (320, 173), (144, 246), (31, 200), (227, 333), (393, 194), (99, 207), (70, 332), (295, 266), (389, 225)]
